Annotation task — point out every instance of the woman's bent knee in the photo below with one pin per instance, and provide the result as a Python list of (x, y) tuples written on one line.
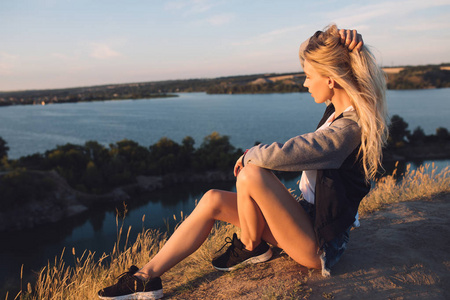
[(250, 174), (212, 201)]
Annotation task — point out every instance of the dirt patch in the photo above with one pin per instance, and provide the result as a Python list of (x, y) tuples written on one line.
[(401, 252)]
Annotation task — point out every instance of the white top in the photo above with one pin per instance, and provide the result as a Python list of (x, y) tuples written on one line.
[(308, 181)]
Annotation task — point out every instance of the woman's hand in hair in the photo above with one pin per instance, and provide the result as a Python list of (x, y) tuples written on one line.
[(351, 39)]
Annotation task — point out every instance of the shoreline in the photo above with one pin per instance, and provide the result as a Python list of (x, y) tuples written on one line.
[(398, 78), (48, 101), (42, 101)]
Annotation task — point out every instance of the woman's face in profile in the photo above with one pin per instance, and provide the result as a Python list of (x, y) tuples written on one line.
[(317, 84)]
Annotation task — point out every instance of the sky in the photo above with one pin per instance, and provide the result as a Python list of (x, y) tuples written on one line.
[(70, 43)]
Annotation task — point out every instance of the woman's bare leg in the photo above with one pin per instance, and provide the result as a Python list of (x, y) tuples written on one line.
[(251, 221), (193, 231), (263, 201)]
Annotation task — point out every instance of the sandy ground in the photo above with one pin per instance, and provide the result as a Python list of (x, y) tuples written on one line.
[(401, 252)]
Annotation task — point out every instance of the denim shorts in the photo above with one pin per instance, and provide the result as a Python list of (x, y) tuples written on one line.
[(332, 250)]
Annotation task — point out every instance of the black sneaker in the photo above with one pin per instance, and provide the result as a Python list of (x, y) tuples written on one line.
[(236, 255), (131, 287)]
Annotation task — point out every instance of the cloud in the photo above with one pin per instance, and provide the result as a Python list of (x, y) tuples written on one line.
[(270, 36), (102, 51)]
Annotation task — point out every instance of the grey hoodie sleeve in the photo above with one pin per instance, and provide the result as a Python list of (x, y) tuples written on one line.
[(322, 149)]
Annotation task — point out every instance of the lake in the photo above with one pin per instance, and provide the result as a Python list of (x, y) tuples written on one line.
[(245, 118)]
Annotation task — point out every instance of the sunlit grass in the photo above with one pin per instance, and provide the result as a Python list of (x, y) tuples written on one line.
[(82, 280), (424, 182), (88, 274)]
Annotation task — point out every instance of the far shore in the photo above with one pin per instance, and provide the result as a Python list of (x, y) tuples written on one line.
[(398, 78)]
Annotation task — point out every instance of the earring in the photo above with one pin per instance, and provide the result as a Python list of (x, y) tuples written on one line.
[(331, 87)]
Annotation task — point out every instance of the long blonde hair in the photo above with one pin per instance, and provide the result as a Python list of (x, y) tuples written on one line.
[(365, 83)]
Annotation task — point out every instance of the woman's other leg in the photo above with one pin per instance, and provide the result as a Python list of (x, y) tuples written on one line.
[(263, 201), (193, 231)]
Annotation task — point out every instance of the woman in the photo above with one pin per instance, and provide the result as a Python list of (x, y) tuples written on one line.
[(338, 160)]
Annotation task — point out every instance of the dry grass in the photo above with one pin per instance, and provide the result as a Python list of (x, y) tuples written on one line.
[(423, 182), (58, 280)]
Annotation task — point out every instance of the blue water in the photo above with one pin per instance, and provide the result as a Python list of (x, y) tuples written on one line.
[(245, 118)]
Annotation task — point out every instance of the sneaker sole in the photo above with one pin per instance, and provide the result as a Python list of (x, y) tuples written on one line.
[(252, 260), (158, 294)]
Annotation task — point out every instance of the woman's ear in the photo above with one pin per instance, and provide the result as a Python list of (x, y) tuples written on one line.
[(331, 83)]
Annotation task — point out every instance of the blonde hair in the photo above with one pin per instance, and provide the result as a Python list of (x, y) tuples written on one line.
[(365, 83)]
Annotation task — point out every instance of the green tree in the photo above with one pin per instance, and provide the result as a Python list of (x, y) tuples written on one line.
[(187, 153), (216, 152), (93, 179), (35, 161), (442, 134), (164, 156), (397, 131), (69, 161), (418, 136), (20, 186), (188, 144), (3, 148), (97, 152), (133, 155)]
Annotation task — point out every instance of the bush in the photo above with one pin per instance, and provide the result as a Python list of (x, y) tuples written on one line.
[(21, 186)]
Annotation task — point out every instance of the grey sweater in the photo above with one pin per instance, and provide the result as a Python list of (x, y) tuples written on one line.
[(323, 149)]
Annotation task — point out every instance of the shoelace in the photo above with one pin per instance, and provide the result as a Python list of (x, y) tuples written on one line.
[(229, 241), (124, 274)]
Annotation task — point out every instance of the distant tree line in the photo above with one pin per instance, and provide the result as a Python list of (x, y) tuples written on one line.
[(143, 90), (400, 136), (415, 144), (411, 77), (99, 93), (285, 86), (94, 168), (420, 77)]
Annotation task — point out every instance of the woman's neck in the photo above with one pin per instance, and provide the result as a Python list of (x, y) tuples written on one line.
[(340, 100)]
